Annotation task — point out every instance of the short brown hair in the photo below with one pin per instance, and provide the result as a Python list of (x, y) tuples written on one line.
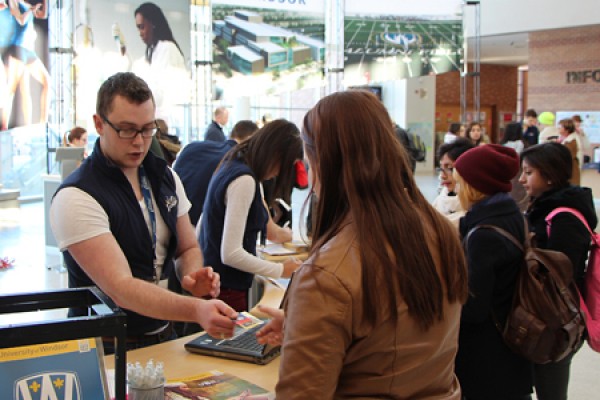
[(125, 84), (531, 113), (568, 124), (243, 129)]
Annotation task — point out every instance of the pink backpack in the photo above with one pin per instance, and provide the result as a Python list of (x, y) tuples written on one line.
[(590, 305)]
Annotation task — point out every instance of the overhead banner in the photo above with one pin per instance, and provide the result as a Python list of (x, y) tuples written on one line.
[(405, 8), (149, 39), (384, 41), (402, 39), (311, 6), (273, 48), (24, 77)]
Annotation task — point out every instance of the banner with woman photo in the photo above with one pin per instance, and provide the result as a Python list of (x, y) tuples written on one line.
[(151, 39)]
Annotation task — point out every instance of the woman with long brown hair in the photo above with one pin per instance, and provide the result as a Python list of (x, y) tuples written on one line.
[(374, 311)]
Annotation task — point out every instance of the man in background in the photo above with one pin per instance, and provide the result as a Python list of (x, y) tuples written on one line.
[(530, 129), (198, 160), (214, 131)]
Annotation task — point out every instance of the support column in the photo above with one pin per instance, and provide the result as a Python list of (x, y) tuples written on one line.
[(61, 23), (476, 72), (202, 56), (334, 45)]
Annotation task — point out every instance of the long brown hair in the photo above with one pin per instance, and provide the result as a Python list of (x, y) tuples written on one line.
[(276, 144), (365, 173)]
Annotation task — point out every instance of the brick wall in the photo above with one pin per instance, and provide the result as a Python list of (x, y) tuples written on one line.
[(552, 54), (498, 95), (498, 87)]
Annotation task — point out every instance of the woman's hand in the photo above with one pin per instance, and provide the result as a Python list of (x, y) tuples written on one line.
[(272, 332), (289, 266)]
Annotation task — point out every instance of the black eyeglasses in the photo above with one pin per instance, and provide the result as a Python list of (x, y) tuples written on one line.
[(130, 133), (447, 170)]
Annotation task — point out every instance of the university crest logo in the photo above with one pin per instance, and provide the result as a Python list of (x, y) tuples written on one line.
[(49, 386)]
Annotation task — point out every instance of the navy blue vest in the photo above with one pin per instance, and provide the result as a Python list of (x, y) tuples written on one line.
[(195, 165), (107, 184), (213, 217)]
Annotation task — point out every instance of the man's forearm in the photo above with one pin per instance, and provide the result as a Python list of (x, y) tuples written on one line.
[(189, 261), (148, 299)]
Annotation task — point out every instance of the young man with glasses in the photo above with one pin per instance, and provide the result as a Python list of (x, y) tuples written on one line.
[(121, 220), (447, 202)]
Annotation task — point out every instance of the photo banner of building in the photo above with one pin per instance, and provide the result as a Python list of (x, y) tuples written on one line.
[(399, 40), (281, 45), (262, 51), (151, 39), (24, 77)]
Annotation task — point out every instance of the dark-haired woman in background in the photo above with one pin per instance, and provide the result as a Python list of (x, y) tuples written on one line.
[(155, 32), (546, 174), (475, 133), (234, 211), (163, 66), (455, 130), (513, 137), (373, 313)]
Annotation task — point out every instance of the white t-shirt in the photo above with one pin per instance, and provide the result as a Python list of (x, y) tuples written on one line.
[(76, 216), (238, 199)]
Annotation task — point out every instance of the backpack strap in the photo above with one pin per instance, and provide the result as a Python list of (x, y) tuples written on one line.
[(498, 230), (521, 246), (572, 211)]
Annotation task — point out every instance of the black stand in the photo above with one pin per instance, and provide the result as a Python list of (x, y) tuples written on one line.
[(104, 319)]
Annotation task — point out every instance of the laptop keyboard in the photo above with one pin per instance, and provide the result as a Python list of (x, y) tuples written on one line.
[(246, 341)]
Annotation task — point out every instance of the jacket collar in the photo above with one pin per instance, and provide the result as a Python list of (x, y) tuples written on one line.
[(155, 166), (497, 205)]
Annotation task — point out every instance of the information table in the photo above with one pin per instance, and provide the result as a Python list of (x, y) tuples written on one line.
[(180, 363)]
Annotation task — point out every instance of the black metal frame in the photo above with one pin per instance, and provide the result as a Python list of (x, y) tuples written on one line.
[(104, 319)]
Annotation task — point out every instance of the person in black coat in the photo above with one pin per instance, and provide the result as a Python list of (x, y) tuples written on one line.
[(214, 131), (485, 366), (546, 175)]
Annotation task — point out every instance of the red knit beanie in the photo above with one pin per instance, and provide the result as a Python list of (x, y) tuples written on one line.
[(489, 168)]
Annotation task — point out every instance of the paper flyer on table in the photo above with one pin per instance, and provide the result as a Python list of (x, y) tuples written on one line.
[(215, 385)]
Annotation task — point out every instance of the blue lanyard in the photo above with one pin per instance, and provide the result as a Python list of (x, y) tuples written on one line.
[(146, 192)]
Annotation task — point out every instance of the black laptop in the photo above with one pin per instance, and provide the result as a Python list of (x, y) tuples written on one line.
[(243, 346)]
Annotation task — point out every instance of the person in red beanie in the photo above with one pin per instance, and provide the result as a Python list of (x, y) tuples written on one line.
[(485, 366)]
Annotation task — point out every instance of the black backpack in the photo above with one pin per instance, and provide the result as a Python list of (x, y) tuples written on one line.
[(412, 143), (545, 323)]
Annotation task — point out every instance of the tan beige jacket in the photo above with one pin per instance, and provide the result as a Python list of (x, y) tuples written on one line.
[(329, 353)]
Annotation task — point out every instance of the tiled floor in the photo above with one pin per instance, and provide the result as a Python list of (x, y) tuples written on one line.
[(37, 267)]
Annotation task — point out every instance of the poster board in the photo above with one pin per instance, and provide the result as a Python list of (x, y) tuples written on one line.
[(108, 39), (590, 122), (68, 370)]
